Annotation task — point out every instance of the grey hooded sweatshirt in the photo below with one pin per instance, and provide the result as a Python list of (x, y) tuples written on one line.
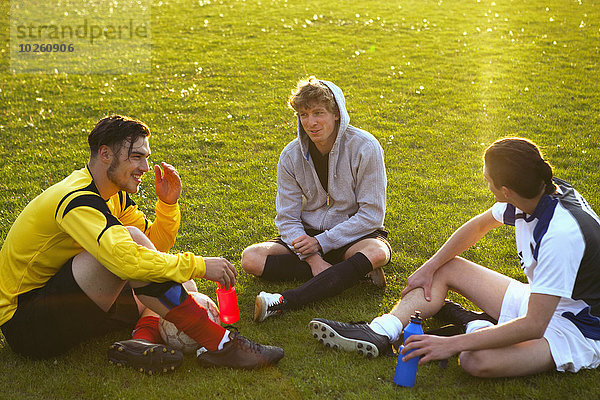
[(354, 205)]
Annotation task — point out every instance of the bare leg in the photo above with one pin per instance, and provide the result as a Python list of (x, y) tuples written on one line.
[(97, 282), (190, 286), (103, 287), (520, 359), (374, 249), (255, 256), (378, 254), (484, 287)]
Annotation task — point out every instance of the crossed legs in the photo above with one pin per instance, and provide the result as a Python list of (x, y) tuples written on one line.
[(103, 287), (255, 256), (273, 261), (486, 289)]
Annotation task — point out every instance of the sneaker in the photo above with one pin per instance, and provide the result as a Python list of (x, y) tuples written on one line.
[(240, 352), (268, 304), (453, 313), (377, 277), (358, 337), (144, 356)]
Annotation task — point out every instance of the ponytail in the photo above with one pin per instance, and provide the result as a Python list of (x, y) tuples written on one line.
[(518, 164), (545, 172)]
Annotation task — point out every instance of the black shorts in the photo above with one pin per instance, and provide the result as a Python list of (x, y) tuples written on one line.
[(52, 319), (337, 255)]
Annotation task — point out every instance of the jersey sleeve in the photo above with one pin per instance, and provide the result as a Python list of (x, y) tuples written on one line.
[(504, 213), (88, 220), (162, 231)]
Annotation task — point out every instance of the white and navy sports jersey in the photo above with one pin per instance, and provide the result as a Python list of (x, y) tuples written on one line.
[(559, 251)]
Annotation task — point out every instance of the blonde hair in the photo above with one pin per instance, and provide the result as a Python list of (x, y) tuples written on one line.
[(310, 92)]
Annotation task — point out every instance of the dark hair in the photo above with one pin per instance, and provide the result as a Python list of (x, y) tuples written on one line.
[(311, 92), (518, 164), (113, 131)]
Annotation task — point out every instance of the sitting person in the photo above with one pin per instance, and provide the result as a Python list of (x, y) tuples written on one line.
[(331, 194), (553, 322), (82, 260)]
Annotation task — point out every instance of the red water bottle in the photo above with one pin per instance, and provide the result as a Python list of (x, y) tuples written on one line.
[(228, 304)]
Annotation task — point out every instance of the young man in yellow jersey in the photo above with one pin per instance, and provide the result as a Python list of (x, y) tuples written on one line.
[(81, 260)]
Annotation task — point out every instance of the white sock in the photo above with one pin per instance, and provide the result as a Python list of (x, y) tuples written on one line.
[(224, 340), (477, 324), (387, 325)]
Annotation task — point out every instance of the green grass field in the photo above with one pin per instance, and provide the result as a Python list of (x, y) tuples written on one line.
[(434, 81)]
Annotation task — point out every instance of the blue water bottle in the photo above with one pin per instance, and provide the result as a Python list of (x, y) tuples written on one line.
[(406, 372)]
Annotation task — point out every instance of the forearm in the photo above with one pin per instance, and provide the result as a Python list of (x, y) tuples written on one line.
[(531, 326), (463, 239), (289, 230), (368, 219), (507, 334), (288, 204)]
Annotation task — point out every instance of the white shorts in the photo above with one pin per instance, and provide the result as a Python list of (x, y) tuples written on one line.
[(570, 350)]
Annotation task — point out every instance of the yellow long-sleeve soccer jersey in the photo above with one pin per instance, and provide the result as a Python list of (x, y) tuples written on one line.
[(69, 217)]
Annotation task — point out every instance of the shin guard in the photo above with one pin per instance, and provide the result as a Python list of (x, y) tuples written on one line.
[(193, 320), (185, 313)]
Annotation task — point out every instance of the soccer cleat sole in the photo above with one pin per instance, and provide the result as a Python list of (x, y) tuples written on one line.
[(154, 359), (330, 338), (260, 309)]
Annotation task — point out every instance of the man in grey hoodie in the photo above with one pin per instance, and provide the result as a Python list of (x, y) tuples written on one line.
[(331, 196)]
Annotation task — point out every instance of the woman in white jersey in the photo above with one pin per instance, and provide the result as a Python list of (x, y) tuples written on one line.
[(552, 322)]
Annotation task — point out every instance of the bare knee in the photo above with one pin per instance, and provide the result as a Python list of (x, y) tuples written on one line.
[(253, 260), (478, 363), (451, 274), (135, 232), (377, 252), (190, 286), (379, 256)]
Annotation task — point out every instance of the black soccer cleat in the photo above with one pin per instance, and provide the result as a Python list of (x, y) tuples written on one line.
[(455, 314), (240, 352), (144, 356), (354, 337)]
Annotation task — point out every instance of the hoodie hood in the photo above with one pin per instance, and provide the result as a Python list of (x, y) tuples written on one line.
[(344, 118)]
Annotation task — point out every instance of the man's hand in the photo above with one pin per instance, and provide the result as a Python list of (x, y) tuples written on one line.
[(421, 278), (429, 347), (317, 264), (306, 245), (220, 270), (167, 183)]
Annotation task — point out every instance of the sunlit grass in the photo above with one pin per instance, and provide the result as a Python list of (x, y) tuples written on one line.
[(434, 81)]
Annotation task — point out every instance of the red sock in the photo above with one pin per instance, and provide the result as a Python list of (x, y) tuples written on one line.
[(147, 329), (193, 320)]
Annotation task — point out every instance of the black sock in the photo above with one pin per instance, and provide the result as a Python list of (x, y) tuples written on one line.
[(333, 281), (286, 267)]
